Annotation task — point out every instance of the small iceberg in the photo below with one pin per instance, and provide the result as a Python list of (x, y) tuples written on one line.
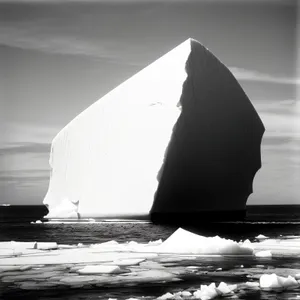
[(185, 242)]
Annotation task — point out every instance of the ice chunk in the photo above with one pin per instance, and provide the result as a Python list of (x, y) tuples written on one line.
[(206, 292), (247, 244), (183, 241), (252, 285), (98, 269), (261, 236), (186, 294), (266, 253), (279, 247), (166, 296), (211, 291), (271, 281), (223, 288), (66, 210), (232, 287), (149, 276), (288, 283)]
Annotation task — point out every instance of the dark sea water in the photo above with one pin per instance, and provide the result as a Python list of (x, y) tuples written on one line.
[(273, 221)]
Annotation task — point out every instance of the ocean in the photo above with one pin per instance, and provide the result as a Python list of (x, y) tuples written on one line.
[(278, 223)]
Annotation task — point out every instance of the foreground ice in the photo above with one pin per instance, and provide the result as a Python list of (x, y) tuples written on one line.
[(31, 265), (183, 241), (274, 282)]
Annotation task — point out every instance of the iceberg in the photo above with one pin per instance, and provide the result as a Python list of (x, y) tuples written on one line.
[(178, 141)]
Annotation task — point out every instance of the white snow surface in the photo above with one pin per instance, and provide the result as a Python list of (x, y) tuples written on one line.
[(115, 148)]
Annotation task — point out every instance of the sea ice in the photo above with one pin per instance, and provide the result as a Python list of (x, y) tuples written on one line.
[(100, 269), (279, 247), (116, 264), (166, 296), (251, 285), (183, 241), (207, 292), (273, 281), (289, 282), (265, 253), (186, 294), (223, 288)]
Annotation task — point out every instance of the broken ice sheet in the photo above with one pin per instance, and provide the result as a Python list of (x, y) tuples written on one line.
[(140, 263)]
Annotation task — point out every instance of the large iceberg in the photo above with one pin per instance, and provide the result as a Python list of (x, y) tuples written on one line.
[(179, 138)]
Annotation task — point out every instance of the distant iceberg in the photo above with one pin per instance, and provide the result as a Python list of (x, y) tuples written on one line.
[(179, 139)]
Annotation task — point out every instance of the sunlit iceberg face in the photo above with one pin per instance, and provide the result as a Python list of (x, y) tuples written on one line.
[(179, 136), (109, 156)]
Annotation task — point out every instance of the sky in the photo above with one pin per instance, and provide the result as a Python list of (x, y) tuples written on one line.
[(59, 57)]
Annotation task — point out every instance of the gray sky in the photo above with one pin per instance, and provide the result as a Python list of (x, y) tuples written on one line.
[(57, 58)]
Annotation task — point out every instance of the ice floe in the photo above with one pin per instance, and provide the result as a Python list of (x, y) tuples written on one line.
[(46, 265), (100, 269), (275, 282), (265, 253), (207, 292), (183, 241)]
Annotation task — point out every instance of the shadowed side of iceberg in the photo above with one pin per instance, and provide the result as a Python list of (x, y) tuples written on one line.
[(214, 151)]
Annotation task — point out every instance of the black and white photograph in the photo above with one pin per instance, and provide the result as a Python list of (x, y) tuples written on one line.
[(150, 149)]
